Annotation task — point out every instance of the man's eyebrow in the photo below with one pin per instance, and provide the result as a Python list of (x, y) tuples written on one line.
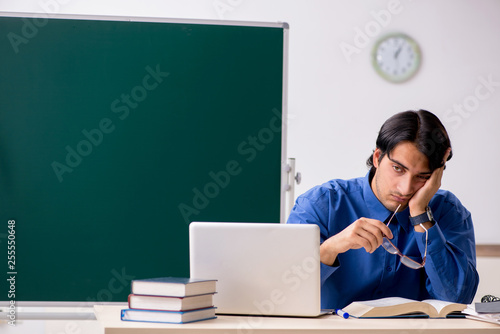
[(399, 163)]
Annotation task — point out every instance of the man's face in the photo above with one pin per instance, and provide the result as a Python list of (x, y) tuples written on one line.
[(399, 175)]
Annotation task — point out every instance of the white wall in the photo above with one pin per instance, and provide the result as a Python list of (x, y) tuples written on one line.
[(337, 105), (489, 276)]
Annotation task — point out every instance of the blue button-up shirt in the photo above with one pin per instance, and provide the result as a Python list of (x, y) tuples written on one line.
[(450, 269)]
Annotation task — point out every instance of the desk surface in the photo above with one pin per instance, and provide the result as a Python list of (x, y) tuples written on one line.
[(109, 317)]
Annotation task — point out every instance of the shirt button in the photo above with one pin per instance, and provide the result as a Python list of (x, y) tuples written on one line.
[(388, 268)]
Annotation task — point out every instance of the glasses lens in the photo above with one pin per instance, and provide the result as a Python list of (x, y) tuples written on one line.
[(389, 246), (410, 263)]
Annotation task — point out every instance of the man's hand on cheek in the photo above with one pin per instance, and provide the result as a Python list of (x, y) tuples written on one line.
[(420, 200)]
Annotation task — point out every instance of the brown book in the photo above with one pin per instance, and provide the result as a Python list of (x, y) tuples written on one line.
[(170, 303), (397, 306)]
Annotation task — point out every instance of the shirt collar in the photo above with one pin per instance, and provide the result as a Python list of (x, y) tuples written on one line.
[(378, 211)]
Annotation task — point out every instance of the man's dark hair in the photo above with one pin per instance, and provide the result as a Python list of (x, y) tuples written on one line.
[(421, 128)]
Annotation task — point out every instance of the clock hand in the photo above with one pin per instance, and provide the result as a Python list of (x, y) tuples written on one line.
[(398, 52)]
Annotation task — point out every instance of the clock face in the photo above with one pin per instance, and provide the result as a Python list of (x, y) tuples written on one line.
[(396, 57)]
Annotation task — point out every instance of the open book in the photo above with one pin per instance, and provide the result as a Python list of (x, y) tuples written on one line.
[(396, 306)]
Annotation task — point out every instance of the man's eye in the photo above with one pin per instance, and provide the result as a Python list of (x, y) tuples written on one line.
[(424, 177), (397, 168)]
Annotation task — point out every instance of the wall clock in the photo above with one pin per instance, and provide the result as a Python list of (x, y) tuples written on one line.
[(396, 57)]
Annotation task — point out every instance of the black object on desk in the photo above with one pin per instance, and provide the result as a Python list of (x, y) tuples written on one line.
[(489, 304)]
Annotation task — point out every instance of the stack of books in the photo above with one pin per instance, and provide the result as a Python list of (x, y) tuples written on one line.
[(170, 300)]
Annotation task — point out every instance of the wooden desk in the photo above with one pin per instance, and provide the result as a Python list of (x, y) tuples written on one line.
[(109, 317)]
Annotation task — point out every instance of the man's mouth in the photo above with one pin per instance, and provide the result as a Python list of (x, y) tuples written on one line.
[(400, 199)]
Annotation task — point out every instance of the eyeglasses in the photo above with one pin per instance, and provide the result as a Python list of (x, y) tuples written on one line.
[(389, 246)]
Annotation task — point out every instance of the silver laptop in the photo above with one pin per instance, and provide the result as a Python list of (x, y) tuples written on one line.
[(261, 268)]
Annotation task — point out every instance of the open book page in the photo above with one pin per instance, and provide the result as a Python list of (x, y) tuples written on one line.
[(396, 306), (391, 301), (387, 307), (443, 307)]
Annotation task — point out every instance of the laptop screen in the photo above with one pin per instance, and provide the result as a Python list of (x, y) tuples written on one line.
[(261, 268)]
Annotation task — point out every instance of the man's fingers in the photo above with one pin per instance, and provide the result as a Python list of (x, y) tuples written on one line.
[(368, 241), (370, 233), (376, 227), (363, 233)]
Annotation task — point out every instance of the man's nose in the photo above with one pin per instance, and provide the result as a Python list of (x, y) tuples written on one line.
[(406, 185)]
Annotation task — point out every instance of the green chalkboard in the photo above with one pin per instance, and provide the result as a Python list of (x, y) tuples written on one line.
[(115, 134)]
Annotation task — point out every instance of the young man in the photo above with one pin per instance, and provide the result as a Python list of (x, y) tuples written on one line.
[(428, 245)]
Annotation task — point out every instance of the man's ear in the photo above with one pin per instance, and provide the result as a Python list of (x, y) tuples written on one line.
[(376, 157)]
